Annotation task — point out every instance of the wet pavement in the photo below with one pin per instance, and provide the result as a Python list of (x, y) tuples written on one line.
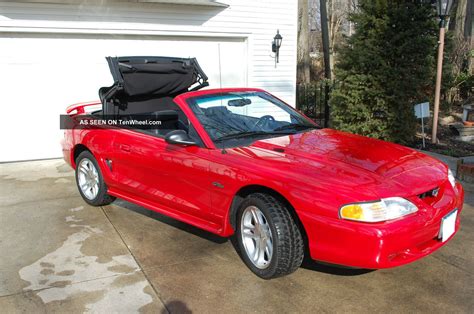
[(57, 254)]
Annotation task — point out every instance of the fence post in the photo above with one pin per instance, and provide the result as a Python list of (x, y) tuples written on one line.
[(326, 104)]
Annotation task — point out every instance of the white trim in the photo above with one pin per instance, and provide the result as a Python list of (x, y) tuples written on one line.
[(208, 3), (204, 3), (111, 31), (250, 41)]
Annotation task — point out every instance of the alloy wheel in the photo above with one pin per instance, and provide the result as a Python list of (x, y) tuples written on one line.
[(88, 179), (257, 237)]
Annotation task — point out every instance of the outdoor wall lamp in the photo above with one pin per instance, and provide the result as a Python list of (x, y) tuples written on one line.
[(276, 47), (443, 7)]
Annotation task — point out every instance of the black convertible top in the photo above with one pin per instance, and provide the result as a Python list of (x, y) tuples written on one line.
[(150, 77)]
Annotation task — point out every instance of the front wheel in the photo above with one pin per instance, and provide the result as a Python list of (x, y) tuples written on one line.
[(269, 241), (90, 182)]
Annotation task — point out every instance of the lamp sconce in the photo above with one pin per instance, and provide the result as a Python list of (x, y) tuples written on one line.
[(276, 44)]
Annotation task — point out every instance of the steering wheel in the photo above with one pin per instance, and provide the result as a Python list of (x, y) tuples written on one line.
[(263, 121)]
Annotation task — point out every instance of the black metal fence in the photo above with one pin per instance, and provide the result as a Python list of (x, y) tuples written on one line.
[(311, 100)]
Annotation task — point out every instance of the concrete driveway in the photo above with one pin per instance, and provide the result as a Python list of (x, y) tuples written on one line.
[(58, 254)]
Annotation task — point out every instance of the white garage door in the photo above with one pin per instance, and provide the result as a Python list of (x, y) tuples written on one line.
[(40, 75)]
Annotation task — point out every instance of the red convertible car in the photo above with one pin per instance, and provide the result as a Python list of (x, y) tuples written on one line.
[(242, 163)]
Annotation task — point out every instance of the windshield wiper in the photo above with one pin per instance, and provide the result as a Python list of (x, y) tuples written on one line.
[(249, 134), (295, 127)]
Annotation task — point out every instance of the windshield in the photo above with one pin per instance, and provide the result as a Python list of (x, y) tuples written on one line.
[(240, 116)]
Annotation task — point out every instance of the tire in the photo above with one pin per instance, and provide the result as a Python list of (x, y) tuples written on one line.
[(94, 192), (286, 242)]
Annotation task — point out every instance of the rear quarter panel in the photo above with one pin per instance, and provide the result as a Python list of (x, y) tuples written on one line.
[(98, 141)]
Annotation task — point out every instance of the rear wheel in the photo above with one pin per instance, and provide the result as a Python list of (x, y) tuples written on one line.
[(269, 241), (90, 182)]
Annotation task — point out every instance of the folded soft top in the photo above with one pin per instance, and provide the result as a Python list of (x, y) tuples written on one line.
[(152, 77)]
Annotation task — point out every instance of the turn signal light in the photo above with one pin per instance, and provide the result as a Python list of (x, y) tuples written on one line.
[(383, 210)]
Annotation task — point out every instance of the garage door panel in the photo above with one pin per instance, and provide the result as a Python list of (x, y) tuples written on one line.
[(42, 74)]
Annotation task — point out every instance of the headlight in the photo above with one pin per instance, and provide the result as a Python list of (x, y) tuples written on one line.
[(451, 178), (385, 209)]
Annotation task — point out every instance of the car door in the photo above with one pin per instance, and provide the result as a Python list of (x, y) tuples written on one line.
[(172, 177)]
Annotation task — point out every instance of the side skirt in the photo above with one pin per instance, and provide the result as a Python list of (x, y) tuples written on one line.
[(167, 211)]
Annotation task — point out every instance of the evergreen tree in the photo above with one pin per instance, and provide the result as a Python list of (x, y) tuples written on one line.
[(386, 67)]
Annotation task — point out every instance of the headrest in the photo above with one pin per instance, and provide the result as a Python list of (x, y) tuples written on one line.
[(166, 115), (218, 110)]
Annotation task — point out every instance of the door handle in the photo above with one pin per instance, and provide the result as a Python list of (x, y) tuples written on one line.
[(125, 148)]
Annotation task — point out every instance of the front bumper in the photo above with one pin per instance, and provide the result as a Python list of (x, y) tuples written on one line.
[(382, 245)]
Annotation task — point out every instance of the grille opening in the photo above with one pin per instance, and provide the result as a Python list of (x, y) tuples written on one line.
[(431, 193)]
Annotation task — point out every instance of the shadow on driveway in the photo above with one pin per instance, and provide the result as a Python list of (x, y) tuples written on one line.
[(307, 263), (171, 222)]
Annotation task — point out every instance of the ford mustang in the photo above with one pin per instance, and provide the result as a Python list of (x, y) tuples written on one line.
[(242, 163)]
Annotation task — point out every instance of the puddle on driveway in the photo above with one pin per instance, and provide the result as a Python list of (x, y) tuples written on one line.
[(73, 272)]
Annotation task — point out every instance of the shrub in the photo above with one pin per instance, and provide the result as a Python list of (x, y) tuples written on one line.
[(385, 68)]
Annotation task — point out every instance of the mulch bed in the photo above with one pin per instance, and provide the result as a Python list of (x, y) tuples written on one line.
[(447, 145)]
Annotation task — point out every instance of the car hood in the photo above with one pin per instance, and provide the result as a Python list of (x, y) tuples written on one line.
[(351, 161)]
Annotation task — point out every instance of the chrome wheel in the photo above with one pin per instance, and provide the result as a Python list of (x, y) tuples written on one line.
[(88, 178), (256, 237)]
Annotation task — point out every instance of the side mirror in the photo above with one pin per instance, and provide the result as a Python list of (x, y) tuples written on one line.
[(179, 137)]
